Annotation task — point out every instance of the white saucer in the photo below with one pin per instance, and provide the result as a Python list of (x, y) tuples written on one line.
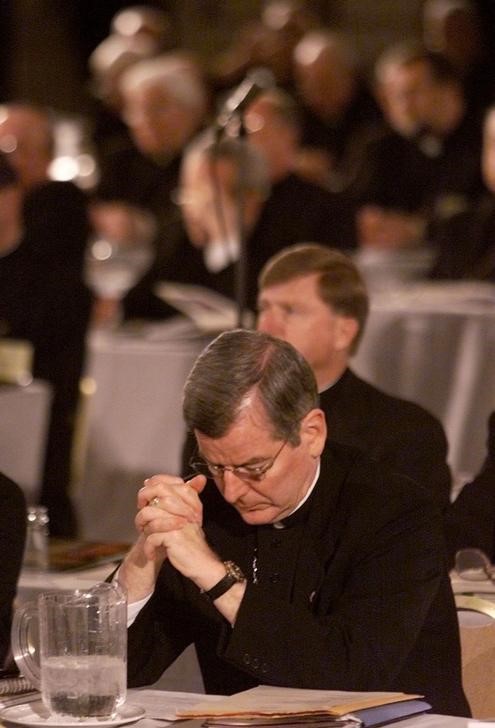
[(36, 714)]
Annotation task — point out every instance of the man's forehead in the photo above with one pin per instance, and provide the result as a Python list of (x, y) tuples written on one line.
[(252, 419), (290, 288)]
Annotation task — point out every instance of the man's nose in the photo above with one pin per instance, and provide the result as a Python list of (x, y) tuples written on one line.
[(232, 486), (270, 323)]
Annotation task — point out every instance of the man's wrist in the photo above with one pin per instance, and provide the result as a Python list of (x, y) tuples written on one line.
[(137, 574), (233, 575)]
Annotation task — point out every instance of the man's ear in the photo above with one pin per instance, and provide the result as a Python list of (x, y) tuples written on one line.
[(313, 431), (346, 330)]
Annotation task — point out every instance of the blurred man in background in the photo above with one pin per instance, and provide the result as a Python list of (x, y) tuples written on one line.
[(314, 298), (425, 165), (43, 301), (164, 103), (338, 111)]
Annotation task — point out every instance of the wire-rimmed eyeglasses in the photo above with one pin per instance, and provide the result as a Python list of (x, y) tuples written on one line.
[(243, 472)]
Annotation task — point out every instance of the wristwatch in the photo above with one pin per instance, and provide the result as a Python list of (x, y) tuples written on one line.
[(233, 575)]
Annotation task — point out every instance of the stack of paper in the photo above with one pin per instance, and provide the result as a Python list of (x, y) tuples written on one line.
[(267, 705), (15, 690)]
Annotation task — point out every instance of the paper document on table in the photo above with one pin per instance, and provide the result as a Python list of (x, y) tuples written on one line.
[(72, 555), (275, 702), (15, 690), (211, 311), (164, 704)]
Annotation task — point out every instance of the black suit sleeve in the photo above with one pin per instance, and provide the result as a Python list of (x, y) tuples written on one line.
[(420, 452)]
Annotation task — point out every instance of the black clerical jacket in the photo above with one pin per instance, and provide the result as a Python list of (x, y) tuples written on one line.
[(352, 593)]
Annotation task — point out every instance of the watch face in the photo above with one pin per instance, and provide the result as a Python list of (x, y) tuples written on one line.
[(234, 570)]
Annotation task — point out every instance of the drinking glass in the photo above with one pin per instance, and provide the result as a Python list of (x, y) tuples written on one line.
[(473, 565), (113, 267)]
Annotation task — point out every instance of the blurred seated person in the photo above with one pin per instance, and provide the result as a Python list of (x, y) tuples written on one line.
[(267, 42), (214, 177), (44, 301), (136, 33), (107, 63), (164, 105), (425, 165), (465, 243), (339, 112), (27, 138), (456, 30), (206, 242), (315, 298), (471, 517), (274, 126), (55, 212), (12, 539), (289, 558)]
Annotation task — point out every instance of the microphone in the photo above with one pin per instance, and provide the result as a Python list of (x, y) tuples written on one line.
[(256, 82)]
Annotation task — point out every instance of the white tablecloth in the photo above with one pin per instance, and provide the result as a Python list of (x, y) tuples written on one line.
[(134, 421), (435, 344), (24, 413), (33, 583)]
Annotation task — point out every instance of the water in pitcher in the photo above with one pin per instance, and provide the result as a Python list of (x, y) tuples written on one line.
[(84, 686)]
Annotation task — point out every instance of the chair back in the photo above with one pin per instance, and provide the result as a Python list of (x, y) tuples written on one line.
[(477, 631)]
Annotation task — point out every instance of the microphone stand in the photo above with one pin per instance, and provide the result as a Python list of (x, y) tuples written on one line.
[(241, 266)]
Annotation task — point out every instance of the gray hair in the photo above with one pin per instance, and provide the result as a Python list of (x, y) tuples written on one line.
[(241, 363), (173, 72)]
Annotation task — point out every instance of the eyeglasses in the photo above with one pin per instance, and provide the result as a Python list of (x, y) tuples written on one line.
[(243, 472)]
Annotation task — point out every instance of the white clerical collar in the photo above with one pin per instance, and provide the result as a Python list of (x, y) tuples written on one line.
[(280, 524)]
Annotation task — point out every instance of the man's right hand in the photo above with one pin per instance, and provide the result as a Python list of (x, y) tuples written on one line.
[(165, 503)]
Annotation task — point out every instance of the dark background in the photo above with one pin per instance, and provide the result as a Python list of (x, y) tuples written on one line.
[(45, 44)]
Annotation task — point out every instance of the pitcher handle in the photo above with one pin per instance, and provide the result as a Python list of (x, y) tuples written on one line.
[(22, 647)]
